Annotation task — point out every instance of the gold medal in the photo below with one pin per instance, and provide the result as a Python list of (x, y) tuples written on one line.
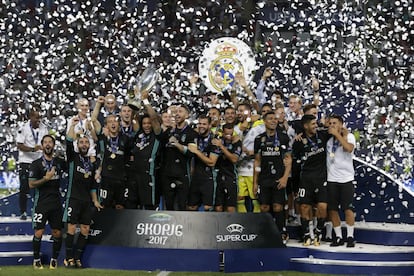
[(332, 154), (86, 175), (113, 156), (276, 148)]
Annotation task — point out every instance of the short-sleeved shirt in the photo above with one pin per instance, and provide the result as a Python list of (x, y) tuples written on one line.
[(173, 162), (311, 152), (272, 150), (340, 163), (48, 192), (30, 137)]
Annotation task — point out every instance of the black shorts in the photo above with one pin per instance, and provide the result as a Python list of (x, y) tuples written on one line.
[(312, 189), (24, 178), (50, 212), (202, 191), (175, 192), (226, 192), (269, 195), (112, 192), (341, 195), (131, 201), (79, 212), (141, 190), (293, 181), (292, 186)]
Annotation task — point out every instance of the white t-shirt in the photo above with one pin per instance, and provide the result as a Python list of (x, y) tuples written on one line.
[(28, 138), (340, 166), (81, 128)]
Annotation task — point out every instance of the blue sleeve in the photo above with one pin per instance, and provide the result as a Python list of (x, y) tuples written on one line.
[(260, 96)]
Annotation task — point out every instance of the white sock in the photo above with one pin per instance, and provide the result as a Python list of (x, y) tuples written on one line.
[(311, 229), (328, 226), (292, 212), (298, 219), (350, 230), (338, 231)]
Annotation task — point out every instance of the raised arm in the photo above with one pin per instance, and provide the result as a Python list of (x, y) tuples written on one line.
[(261, 86), (98, 105), (155, 122), (97, 127), (315, 88), (252, 98), (71, 134)]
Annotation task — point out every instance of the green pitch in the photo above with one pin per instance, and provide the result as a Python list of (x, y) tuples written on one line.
[(61, 271)]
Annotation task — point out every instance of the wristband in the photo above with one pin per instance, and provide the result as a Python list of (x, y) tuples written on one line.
[(145, 102)]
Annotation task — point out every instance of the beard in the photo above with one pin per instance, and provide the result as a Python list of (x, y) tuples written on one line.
[(203, 132), (83, 151), (48, 151)]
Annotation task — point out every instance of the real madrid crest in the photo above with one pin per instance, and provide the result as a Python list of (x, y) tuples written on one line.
[(222, 59)]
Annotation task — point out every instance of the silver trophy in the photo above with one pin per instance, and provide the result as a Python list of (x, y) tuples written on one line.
[(145, 83)]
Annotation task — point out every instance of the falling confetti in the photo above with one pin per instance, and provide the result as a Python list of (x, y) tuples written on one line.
[(361, 51)]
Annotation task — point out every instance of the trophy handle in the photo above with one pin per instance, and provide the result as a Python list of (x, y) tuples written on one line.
[(146, 82)]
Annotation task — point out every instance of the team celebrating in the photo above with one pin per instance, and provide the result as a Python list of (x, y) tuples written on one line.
[(253, 155)]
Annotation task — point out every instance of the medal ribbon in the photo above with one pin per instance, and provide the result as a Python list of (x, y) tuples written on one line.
[(335, 145), (225, 143), (81, 125), (126, 130), (314, 145), (48, 164), (86, 163), (176, 130), (114, 144), (203, 142), (35, 135), (276, 142)]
